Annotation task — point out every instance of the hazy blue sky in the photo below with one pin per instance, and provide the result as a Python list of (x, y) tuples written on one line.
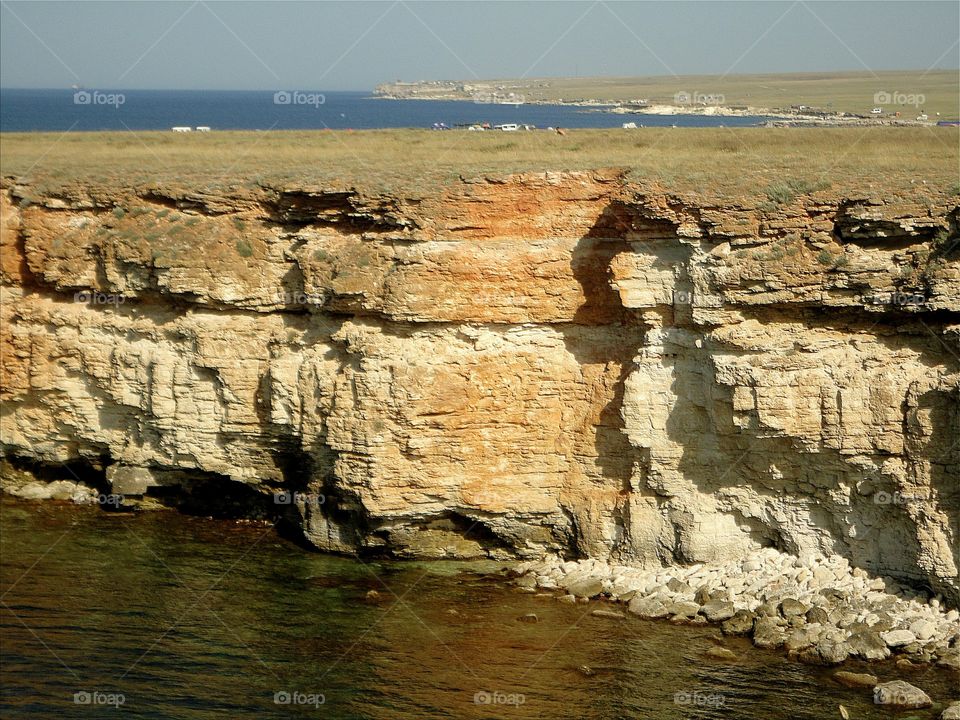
[(355, 45)]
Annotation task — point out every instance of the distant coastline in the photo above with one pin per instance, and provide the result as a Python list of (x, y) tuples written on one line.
[(827, 99)]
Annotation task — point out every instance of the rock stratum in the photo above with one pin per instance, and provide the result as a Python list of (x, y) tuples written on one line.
[(519, 366)]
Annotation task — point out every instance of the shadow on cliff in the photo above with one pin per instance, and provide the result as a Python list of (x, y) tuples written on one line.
[(603, 337), (780, 494)]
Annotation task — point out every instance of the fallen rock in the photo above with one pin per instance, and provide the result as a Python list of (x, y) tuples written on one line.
[(923, 629), (790, 607), (802, 637), (720, 653), (645, 607), (587, 587), (830, 649), (952, 712), (949, 659), (898, 638), (683, 610), (740, 624), (898, 693), (529, 618), (855, 680), (868, 644), (767, 633), (718, 610)]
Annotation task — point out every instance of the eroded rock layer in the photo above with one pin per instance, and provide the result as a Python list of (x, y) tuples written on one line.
[(520, 365)]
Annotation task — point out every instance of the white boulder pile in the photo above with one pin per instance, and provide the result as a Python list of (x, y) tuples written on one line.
[(818, 609)]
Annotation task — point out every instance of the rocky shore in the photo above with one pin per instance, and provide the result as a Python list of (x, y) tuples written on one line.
[(819, 610)]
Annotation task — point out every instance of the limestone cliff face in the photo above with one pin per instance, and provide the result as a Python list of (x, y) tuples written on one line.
[(541, 362)]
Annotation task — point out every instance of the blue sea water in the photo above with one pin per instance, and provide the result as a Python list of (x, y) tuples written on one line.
[(61, 110)]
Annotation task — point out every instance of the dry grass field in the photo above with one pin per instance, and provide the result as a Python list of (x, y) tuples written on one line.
[(716, 161)]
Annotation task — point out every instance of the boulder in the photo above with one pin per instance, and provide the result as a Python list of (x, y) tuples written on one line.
[(648, 607), (683, 609), (767, 633), (800, 638), (720, 653), (898, 638), (868, 644), (898, 693), (855, 680), (718, 610), (130, 480), (952, 712), (830, 649), (791, 607), (586, 587), (740, 624), (923, 629)]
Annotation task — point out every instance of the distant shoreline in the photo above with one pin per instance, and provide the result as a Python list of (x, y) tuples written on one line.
[(779, 117), (901, 98)]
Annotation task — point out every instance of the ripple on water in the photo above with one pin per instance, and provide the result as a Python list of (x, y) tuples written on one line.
[(192, 618)]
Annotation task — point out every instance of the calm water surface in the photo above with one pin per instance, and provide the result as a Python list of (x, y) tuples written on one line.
[(57, 111), (195, 618)]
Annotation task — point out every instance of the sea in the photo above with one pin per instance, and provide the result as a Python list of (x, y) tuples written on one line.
[(88, 109), (165, 615)]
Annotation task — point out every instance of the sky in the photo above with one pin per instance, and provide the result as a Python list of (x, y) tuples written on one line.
[(356, 45)]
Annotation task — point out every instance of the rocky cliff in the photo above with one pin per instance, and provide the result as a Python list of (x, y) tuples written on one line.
[(511, 366)]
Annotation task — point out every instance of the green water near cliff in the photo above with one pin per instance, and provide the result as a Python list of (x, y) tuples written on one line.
[(186, 617)]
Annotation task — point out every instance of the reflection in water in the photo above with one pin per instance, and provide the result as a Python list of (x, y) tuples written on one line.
[(192, 618)]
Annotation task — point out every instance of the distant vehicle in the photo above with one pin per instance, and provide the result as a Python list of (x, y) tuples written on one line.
[(182, 128), (877, 111), (203, 128), (922, 116), (440, 126), (948, 123), (507, 127), (629, 126)]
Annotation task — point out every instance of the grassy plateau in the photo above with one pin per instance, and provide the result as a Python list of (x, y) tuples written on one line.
[(714, 162)]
